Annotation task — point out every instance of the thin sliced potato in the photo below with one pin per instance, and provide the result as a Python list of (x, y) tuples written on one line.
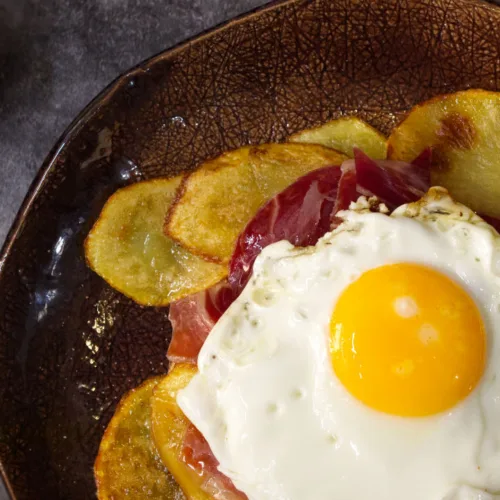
[(169, 427), (216, 202), (345, 134), (128, 465), (128, 248), (463, 130)]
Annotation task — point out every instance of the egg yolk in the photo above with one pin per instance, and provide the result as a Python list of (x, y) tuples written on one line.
[(407, 340)]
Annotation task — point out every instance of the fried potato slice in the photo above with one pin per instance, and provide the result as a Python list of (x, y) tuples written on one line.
[(128, 248), (216, 202), (128, 465), (345, 134), (463, 131), (169, 427)]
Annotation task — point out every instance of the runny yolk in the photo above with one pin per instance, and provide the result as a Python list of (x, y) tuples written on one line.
[(407, 340)]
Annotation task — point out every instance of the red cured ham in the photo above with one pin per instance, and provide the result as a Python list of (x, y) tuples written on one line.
[(305, 211), (301, 214), (192, 318), (196, 453), (348, 188), (393, 182)]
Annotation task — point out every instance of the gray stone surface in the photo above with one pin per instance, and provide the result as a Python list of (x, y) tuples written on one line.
[(56, 55)]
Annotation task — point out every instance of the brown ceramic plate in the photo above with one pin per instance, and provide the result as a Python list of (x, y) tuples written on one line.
[(69, 345)]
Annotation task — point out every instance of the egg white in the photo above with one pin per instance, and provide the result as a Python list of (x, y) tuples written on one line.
[(280, 422)]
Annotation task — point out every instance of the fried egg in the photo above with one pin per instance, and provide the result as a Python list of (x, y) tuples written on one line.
[(366, 366)]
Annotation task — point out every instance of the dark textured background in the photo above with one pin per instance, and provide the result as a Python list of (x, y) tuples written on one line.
[(56, 55)]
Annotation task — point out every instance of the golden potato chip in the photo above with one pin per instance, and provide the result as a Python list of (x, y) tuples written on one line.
[(169, 427), (462, 129), (216, 202), (128, 248), (345, 134), (128, 465)]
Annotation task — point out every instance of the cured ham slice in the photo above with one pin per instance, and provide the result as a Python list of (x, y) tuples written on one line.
[(394, 183), (348, 188), (301, 214), (196, 453), (305, 211), (192, 318)]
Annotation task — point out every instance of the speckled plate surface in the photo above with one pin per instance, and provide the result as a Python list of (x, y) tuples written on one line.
[(69, 345)]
